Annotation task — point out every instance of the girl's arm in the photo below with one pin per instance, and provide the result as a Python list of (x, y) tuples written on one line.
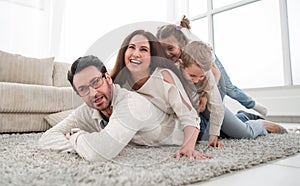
[(216, 72), (216, 108)]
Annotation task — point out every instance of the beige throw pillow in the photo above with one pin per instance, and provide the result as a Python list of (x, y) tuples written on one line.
[(20, 69), (60, 71), (53, 119)]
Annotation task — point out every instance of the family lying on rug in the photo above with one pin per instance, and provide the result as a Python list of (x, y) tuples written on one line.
[(164, 90)]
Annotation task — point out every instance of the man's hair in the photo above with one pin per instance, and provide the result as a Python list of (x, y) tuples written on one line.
[(82, 63)]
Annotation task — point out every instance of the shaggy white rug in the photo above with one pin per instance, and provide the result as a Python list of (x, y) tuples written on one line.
[(22, 163)]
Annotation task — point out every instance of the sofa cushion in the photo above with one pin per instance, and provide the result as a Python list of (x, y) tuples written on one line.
[(22, 122), (24, 98), (53, 119), (21, 69), (60, 71)]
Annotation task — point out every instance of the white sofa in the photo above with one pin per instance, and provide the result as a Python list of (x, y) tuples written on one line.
[(35, 93)]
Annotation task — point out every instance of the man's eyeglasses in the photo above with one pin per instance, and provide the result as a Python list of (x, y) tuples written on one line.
[(95, 83)]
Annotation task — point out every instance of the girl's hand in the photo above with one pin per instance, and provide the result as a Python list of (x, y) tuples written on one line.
[(213, 141), (202, 103), (192, 153)]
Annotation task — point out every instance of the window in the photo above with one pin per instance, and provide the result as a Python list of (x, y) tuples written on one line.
[(249, 45), (220, 3), (197, 7), (199, 29), (247, 38), (294, 27)]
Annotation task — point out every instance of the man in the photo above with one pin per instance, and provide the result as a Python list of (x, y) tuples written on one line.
[(111, 117)]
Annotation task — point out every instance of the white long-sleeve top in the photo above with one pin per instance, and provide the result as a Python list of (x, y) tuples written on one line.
[(134, 118), (170, 98), (214, 102)]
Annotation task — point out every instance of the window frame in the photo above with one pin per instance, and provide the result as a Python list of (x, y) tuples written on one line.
[(285, 39)]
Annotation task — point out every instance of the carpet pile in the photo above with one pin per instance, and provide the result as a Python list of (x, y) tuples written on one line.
[(22, 163)]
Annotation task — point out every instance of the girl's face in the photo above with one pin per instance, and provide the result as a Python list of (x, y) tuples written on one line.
[(137, 55), (194, 73), (171, 47)]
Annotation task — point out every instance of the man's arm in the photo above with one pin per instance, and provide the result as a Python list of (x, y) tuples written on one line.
[(55, 137), (103, 145), (130, 114)]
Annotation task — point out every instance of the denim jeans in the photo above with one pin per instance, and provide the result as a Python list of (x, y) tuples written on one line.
[(242, 117), (227, 88), (233, 127), (204, 116)]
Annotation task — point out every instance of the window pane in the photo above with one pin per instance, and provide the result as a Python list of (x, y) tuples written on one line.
[(199, 29), (294, 26), (249, 44), (197, 7), (220, 3)]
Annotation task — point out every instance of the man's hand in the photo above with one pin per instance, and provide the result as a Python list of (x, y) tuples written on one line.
[(73, 131), (68, 135)]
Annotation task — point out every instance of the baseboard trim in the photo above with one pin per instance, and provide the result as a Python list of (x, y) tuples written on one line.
[(284, 119)]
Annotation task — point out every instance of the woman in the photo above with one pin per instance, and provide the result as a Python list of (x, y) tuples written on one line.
[(141, 66)]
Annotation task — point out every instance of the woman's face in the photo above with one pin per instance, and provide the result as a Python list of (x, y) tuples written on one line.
[(194, 73), (171, 47), (137, 56)]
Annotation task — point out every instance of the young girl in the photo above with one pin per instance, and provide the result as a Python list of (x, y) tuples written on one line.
[(196, 62), (141, 66), (173, 38)]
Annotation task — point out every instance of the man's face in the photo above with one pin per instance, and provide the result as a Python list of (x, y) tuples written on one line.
[(99, 98)]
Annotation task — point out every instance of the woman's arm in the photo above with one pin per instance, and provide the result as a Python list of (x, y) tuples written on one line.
[(186, 114)]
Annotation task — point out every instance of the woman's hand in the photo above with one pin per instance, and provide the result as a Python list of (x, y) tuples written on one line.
[(213, 141)]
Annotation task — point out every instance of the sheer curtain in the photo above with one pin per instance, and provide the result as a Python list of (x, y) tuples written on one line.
[(32, 27), (66, 29)]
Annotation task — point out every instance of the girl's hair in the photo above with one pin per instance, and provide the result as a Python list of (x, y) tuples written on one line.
[(176, 31), (185, 22), (199, 53), (120, 74)]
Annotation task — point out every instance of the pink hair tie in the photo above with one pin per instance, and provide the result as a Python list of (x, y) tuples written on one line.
[(178, 27)]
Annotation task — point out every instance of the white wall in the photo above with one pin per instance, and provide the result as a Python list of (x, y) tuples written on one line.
[(66, 28), (281, 101), (24, 29), (86, 21)]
